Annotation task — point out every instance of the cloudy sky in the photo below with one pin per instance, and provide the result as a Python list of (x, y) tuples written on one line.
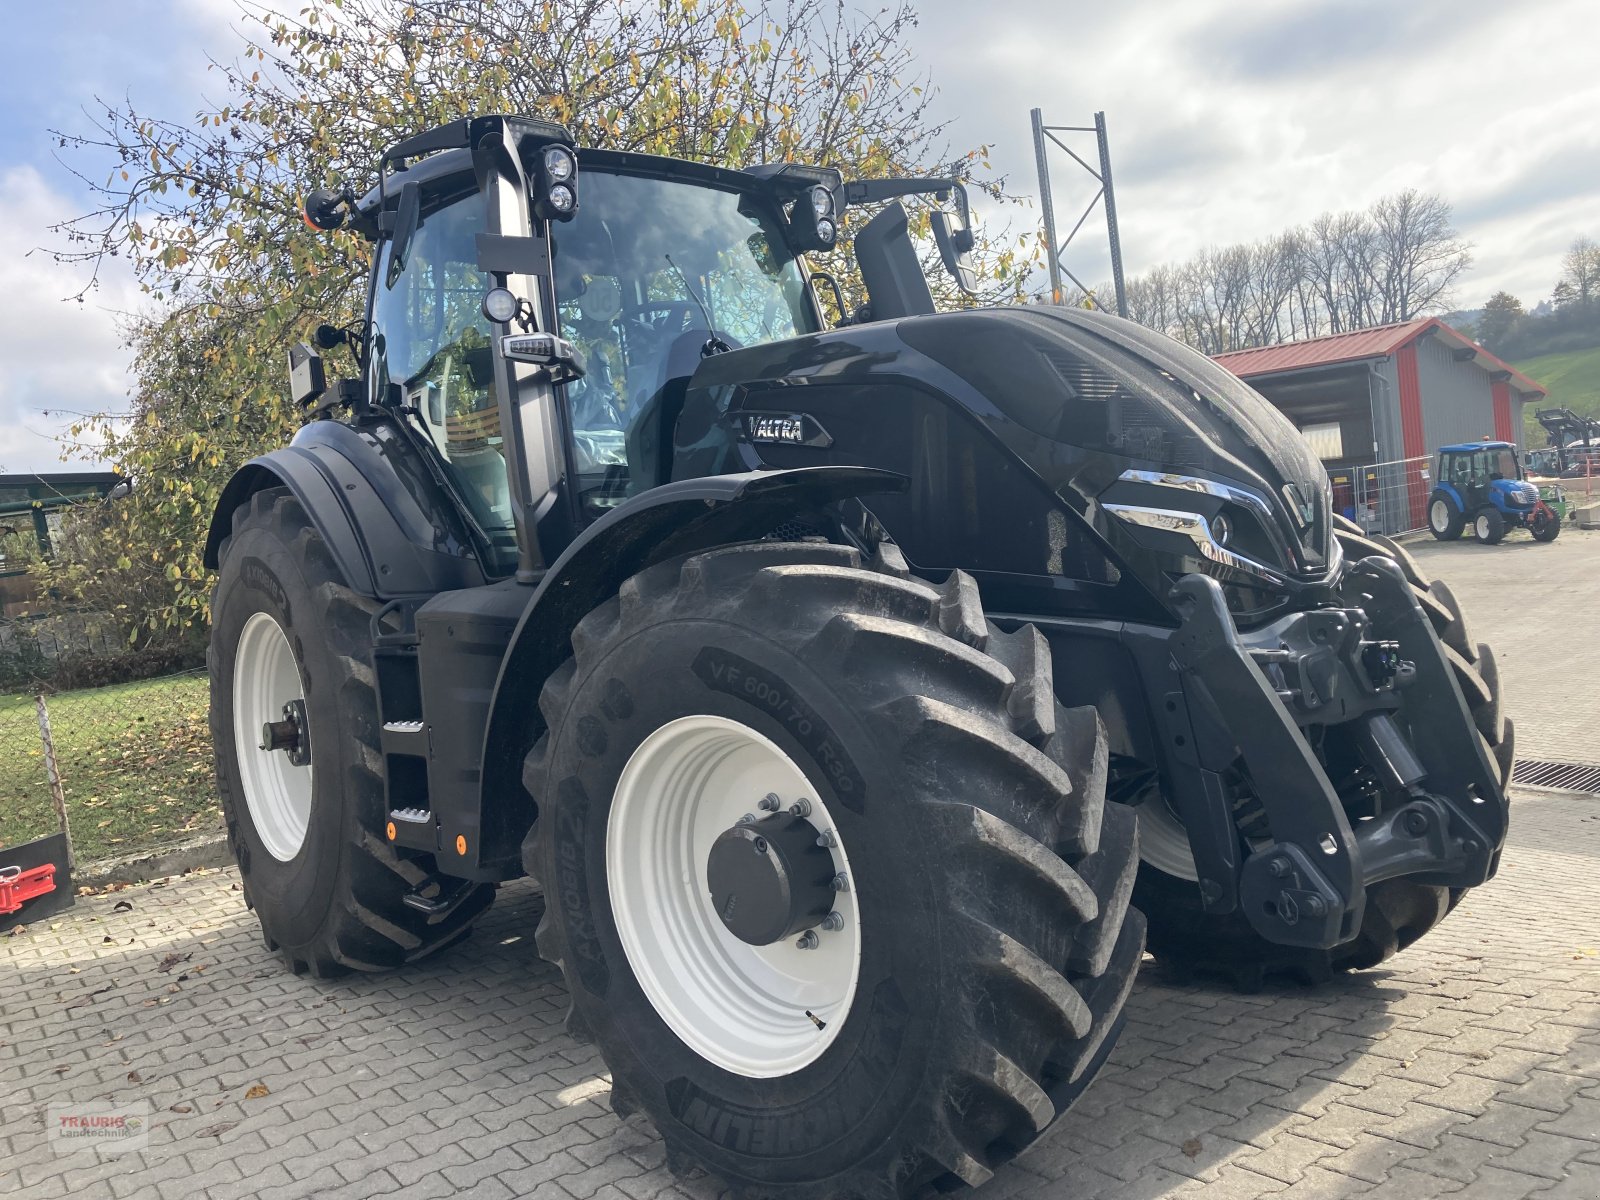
[(1229, 119)]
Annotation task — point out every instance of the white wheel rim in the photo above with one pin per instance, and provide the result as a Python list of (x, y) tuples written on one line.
[(1483, 527), (277, 793), (747, 1009), (1441, 516), (1163, 841)]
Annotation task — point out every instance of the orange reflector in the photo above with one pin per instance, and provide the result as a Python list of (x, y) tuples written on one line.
[(461, 845), (389, 829)]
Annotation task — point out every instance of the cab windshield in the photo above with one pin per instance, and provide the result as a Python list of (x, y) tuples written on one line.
[(1495, 464), (649, 275)]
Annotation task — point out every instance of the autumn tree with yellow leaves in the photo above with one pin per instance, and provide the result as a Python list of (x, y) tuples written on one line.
[(207, 210)]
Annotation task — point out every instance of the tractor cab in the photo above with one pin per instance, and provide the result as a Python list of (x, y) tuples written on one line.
[(536, 310), (1485, 473)]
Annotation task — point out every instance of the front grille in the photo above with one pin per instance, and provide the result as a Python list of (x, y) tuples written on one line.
[(1563, 777)]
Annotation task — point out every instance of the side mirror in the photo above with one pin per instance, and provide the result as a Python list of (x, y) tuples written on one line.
[(955, 249), (306, 378)]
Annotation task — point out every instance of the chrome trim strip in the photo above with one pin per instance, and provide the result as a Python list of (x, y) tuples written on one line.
[(1238, 495), (1198, 530), (1193, 483)]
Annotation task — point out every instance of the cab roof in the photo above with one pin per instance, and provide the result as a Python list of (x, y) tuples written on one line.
[(1469, 447), (782, 181)]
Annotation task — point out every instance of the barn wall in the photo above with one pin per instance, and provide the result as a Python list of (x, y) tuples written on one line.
[(1457, 397)]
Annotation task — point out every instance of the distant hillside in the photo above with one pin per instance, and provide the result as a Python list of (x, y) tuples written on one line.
[(1573, 378)]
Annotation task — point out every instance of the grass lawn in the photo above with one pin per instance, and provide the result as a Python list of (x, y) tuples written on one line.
[(1573, 378), (135, 762)]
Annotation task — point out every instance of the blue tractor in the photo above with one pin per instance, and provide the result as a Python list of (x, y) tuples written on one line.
[(1482, 483)]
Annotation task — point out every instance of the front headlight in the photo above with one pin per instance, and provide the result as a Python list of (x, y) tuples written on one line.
[(1209, 535), (1224, 523)]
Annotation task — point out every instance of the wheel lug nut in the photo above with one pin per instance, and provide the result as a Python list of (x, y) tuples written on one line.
[(827, 839), (833, 922), (770, 802), (747, 819), (841, 882), (807, 940), (801, 807)]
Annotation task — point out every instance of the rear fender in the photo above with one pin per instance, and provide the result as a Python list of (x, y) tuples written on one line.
[(390, 530), (676, 518)]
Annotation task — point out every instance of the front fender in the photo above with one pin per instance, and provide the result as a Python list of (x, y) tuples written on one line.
[(390, 533), (673, 519)]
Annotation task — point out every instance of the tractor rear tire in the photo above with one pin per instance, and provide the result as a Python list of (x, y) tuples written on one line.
[(1488, 526), (323, 880), (1445, 520), (986, 907), (1398, 911)]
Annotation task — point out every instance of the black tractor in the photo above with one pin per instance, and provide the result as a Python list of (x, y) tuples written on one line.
[(821, 676)]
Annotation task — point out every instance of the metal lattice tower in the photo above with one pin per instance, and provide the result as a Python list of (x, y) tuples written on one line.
[(1043, 134)]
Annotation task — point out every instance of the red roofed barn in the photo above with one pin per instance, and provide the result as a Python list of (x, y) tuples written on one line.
[(1380, 396)]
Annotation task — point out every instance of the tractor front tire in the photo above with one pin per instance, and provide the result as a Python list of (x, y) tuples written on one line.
[(970, 976), (323, 880), (1445, 520), (1399, 911), (1488, 526), (1545, 525)]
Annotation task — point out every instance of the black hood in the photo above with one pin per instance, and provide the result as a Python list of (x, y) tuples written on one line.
[(1113, 387), (1065, 459)]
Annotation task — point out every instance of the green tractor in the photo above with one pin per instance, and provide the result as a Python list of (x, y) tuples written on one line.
[(822, 677)]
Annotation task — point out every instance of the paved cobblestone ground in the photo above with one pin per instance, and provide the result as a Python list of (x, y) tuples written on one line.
[(1536, 605), (1469, 1066)]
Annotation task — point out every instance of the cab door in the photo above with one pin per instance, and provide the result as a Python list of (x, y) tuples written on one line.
[(1474, 485), (432, 354)]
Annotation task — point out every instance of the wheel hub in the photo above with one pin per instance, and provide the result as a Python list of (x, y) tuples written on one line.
[(770, 879), (289, 734)]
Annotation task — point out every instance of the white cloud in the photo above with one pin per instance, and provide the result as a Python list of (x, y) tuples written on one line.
[(1231, 119), (60, 356)]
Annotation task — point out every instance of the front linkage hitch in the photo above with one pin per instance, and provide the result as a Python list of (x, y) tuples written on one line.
[(1307, 885)]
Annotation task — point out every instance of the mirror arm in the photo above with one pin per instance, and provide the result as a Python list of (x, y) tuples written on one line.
[(875, 191)]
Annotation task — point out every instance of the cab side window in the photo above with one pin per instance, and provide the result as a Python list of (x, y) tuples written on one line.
[(431, 351)]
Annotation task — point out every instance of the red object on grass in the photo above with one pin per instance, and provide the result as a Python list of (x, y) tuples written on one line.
[(18, 886)]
